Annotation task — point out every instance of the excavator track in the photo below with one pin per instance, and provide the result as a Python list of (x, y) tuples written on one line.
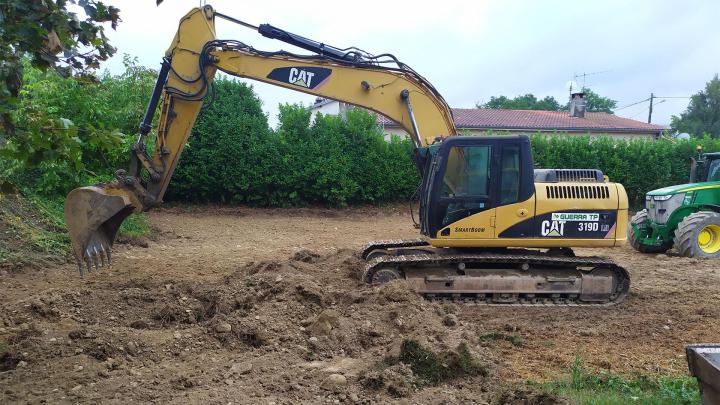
[(505, 279), (384, 245)]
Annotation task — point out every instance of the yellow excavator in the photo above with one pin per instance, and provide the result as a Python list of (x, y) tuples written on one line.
[(494, 229)]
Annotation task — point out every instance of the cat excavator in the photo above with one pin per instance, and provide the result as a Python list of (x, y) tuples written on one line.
[(494, 230)]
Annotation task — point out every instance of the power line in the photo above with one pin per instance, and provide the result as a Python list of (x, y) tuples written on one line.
[(630, 105), (645, 100), (641, 112)]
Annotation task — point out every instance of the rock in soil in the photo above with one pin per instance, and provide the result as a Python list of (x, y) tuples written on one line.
[(334, 383)]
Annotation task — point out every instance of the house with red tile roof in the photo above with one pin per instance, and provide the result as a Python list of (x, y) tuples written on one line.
[(484, 121), (481, 121)]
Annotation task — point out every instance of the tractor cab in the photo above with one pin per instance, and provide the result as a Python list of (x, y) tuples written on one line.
[(706, 168)]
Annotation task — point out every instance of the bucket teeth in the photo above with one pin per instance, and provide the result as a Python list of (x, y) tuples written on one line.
[(98, 255), (99, 259), (104, 255), (88, 260)]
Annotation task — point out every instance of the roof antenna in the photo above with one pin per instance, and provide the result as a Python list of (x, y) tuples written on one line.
[(571, 84), (584, 76)]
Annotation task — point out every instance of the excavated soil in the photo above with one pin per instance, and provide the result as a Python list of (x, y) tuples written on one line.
[(264, 306)]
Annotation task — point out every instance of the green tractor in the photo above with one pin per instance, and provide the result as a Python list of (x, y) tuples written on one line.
[(686, 216)]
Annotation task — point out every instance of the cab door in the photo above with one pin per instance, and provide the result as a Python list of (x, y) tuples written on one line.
[(463, 188), (479, 186), (515, 212)]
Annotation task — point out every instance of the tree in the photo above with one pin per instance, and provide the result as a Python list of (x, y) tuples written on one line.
[(72, 130), (524, 102), (593, 103), (227, 157), (702, 115), (51, 36), (596, 103)]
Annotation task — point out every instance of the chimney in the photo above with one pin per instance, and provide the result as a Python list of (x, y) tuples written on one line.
[(577, 105)]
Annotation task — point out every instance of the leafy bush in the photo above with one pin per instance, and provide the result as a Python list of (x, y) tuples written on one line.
[(640, 165), (75, 131), (225, 155), (232, 156)]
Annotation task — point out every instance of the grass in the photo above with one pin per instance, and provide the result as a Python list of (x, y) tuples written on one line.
[(33, 225), (136, 226), (605, 388), (489, 339), (433, 368)]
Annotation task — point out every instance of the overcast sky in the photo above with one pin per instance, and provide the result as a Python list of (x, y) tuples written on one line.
[(472, 50)]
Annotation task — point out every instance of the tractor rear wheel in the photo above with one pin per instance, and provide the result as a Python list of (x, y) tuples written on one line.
[(698, 235), (640, 219)]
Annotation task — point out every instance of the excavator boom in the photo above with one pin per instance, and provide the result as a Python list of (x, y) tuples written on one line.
[(382, 84)]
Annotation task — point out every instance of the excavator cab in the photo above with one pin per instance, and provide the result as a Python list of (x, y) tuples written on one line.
[(466, 175)]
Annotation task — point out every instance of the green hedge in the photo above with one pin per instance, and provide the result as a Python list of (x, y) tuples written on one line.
[(233, 157), (640, 165)]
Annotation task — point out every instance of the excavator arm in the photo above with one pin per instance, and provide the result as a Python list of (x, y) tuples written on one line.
[(378, 83)]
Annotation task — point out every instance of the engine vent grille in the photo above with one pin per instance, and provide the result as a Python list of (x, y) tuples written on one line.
[(579, 175), (581, 192)]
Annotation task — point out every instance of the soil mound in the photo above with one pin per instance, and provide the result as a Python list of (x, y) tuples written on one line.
[(303, 328)]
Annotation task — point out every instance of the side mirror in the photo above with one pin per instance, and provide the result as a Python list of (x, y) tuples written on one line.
[(693, 170)]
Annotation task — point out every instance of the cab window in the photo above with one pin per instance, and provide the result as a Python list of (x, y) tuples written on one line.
[(714, 171), (467, 172), (466, 183), (510, 175)]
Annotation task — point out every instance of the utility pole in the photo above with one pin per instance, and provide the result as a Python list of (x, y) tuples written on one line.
[(652, 96)]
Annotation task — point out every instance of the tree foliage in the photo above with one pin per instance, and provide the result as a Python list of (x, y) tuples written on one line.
[(75, 131), (593, 103), (522, 102), (702, 115), (669, 160), (596, 103), (51, 36), (232, 156)]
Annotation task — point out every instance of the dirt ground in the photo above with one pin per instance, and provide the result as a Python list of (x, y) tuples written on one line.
[(263, 306)]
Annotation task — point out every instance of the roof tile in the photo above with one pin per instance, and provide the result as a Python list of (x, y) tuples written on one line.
[(483, 118)]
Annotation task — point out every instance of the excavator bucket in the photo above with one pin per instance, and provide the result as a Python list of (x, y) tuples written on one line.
[(93, 216)]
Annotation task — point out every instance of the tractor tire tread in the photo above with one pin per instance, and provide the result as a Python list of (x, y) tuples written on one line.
[(685, 238)]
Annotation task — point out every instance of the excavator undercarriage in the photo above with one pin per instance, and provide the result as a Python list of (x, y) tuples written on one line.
[(497, 276)]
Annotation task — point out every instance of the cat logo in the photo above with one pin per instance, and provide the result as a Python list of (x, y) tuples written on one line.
[(552, 228), (300, 77), (308, 77)]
